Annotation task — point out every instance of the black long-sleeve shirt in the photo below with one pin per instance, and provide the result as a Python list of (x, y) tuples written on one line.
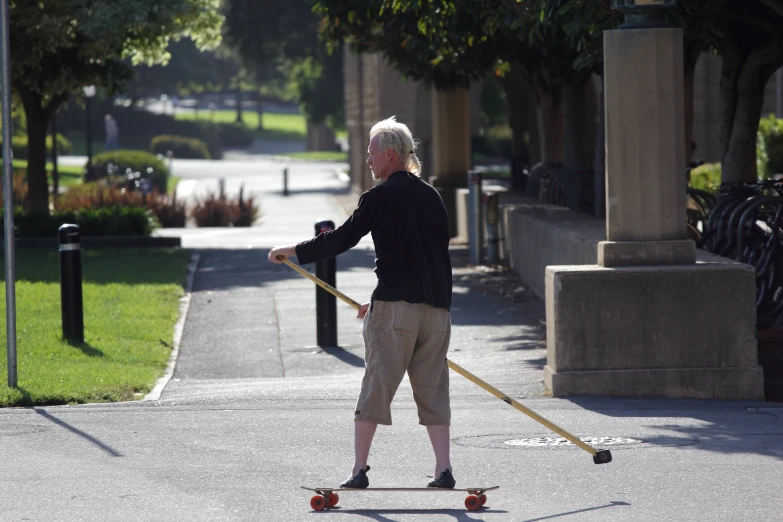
[(409, 226)]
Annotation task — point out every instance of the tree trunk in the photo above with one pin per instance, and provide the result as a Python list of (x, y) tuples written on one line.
[(259, 111), (579, 121), (37, 122), (744, 76), (520, 106), (38, 118), (239, 105), (319, 137), (550, 124), (691, 54)]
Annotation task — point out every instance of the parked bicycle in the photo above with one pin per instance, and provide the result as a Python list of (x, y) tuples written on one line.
[(745, 223)]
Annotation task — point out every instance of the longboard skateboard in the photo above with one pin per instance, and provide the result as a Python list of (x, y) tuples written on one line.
[(327, 497)]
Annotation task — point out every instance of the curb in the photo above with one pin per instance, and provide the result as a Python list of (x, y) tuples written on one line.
[(102, 242), (178, 329)]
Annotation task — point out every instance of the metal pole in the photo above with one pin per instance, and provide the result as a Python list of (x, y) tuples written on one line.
[(88, 134), (326, 303), (71, 305), (8, 181), (493, 239), (474, 216), (285, 180), (55, 174), (779, 93)]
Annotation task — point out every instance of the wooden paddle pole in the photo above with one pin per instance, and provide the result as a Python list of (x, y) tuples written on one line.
[(599, 456)]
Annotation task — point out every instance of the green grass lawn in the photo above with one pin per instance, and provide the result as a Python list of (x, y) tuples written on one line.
[(277, 126), (326, 155), (131, 303)]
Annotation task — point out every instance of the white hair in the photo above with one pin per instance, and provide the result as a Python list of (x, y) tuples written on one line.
[(397, 137)]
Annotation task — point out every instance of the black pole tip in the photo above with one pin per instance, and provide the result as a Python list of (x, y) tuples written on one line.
[(602, 457)]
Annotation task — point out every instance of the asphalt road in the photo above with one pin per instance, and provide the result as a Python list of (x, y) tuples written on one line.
[(255, 409)]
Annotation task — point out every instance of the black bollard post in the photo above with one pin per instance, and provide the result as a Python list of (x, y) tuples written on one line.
[(326, 303), (71, 283), (285, 182)]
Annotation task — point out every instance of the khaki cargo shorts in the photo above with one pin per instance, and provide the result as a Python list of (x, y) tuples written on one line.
[(399, 337)]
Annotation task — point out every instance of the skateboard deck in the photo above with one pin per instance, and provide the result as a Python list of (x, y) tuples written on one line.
[(328, 497)]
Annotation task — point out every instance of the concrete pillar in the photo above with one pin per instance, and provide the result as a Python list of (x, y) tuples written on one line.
[(450, 146), (645, 149), (649, 320)]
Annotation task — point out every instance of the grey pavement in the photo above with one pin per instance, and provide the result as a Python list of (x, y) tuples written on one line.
[(255, 409)]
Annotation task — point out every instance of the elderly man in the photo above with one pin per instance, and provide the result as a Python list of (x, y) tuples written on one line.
[(407, 323)]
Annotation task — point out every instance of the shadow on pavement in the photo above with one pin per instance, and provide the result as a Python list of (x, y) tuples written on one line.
[(550, 517), (225, 269), (48, 416), (378, 514), (344, 355), (726, 427), (340, 191)]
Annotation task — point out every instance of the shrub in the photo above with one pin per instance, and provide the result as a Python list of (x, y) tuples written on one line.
[(20, 189), (115, 221), (168, 211), (216, 211), (182, 147), (248, 210), (107, 164), (770, 146), (143, 126), (96, 195), (110, 221), (213, 211), (706, 177)]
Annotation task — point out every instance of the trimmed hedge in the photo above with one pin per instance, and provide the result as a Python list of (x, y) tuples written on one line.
[(112, 221), (138, 127), (145, 163), (181, 146)]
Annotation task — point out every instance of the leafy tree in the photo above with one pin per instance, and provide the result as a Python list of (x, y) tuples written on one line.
[(59, 46), (451, 43), (747, 35), (442, 44), (278, 41)]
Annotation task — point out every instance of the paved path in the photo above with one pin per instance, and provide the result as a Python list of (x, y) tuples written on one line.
[(254, 410)]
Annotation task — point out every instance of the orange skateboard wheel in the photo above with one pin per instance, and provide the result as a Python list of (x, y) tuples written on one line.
[(318, 503), (472, 502)]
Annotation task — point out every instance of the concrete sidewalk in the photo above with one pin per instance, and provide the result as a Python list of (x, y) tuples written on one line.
[(254, 410)]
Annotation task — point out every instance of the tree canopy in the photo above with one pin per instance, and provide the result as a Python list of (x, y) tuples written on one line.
[(59, 46), (279, 41)]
